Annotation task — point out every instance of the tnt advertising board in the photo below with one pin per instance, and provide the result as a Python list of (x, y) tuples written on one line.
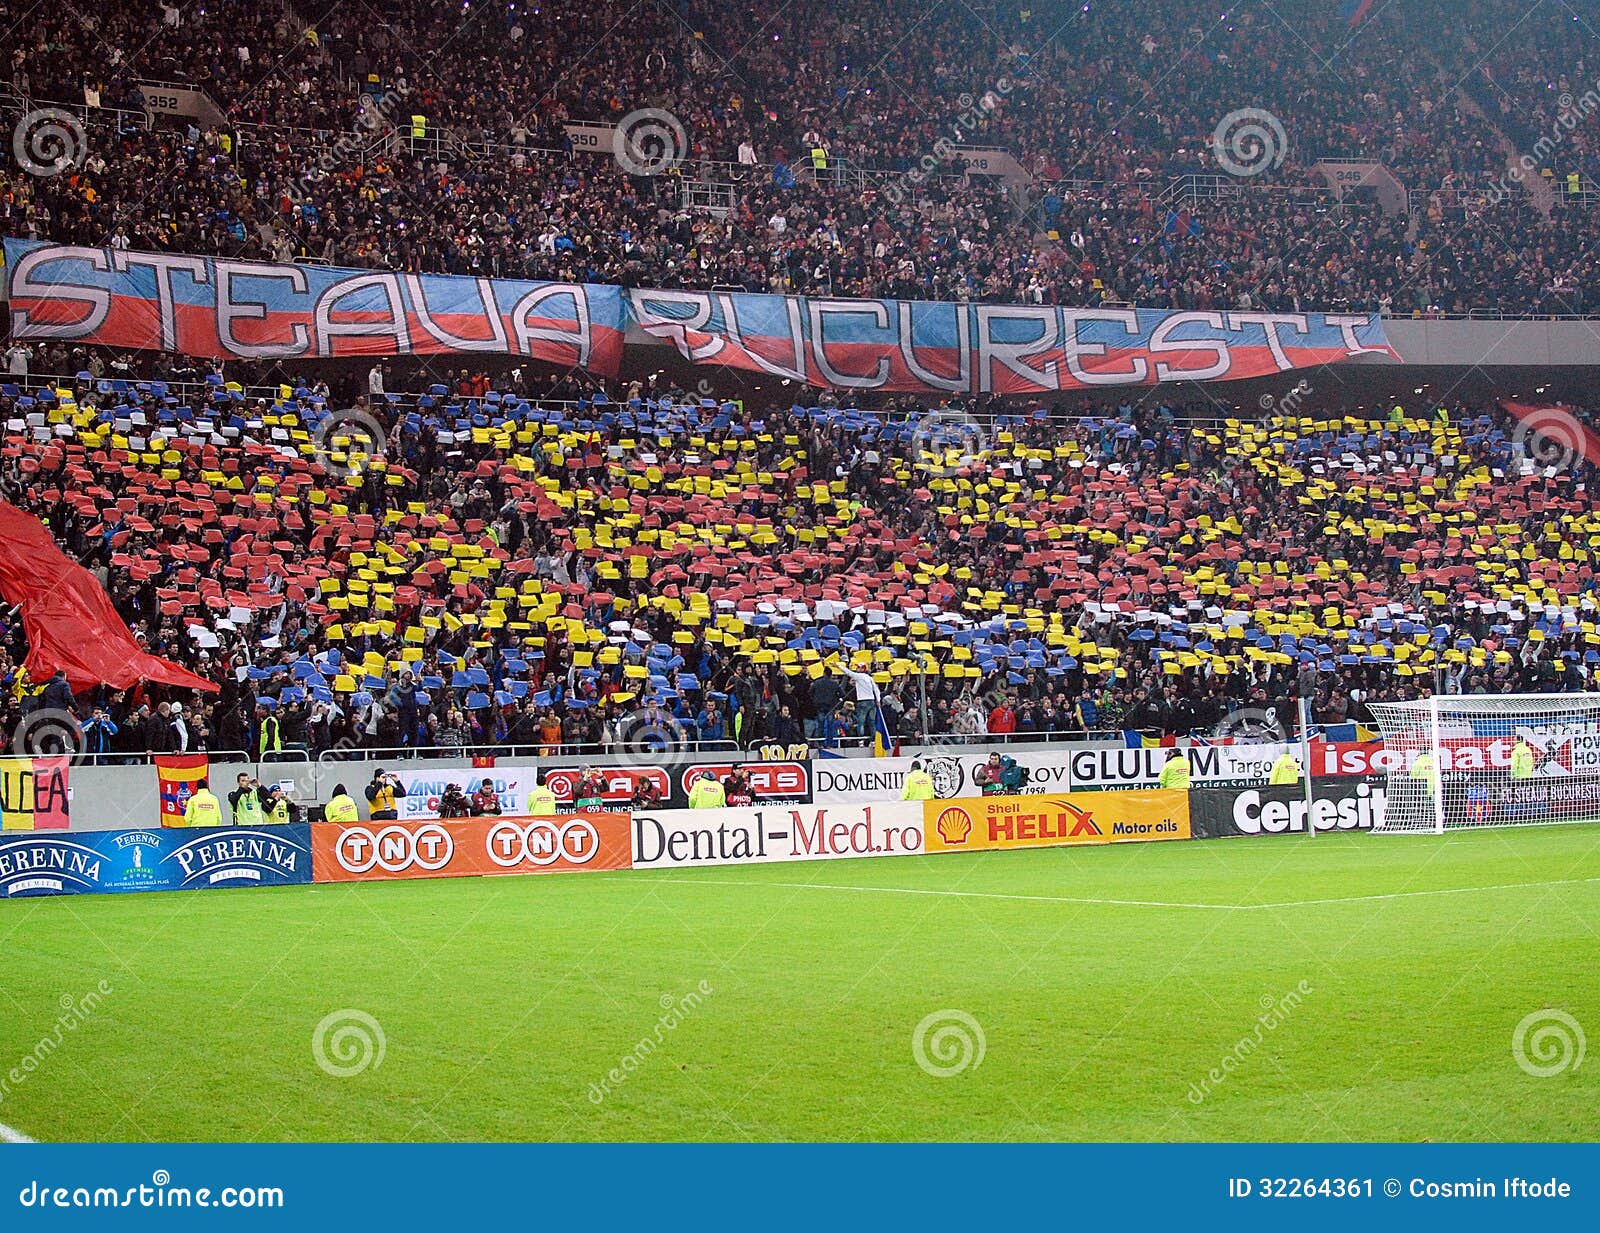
[(1336, 804), (775, 833), (88, 862), (381, 851), (981, 823)]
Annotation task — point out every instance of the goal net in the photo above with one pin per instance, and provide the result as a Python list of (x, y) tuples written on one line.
[(1490, 760)]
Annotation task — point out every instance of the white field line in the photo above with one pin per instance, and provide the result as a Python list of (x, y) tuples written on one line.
[(1124, 903)]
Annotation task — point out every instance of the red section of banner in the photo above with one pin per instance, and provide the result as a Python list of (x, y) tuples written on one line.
[(177, 775), (1557, 436), (69, 620)]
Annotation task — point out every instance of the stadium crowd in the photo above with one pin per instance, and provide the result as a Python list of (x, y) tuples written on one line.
[(1090, 112), (499, 572)]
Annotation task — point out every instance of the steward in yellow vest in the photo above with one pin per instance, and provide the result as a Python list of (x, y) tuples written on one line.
[(918, 785), (341, 806), (203, 809)]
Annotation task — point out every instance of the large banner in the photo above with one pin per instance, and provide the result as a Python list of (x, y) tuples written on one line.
[(929, 348), (69, 619), (215, 307), (782, 833), (980, 823), (1336, 804), (88, 862), (211, 306), (34, 795), (380, 851)]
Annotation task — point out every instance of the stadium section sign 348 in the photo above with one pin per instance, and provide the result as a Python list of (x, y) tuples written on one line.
[(217, 308)]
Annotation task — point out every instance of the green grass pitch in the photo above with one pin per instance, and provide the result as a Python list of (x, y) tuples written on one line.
[(740, 1003)]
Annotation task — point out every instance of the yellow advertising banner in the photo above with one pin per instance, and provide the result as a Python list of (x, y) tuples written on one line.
[(975, 824)]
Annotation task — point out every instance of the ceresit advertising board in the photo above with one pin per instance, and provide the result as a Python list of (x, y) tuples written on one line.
[(379, 851), (974, 824), (683, 837)]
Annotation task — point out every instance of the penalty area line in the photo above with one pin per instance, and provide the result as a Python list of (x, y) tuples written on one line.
[(1124, 903)]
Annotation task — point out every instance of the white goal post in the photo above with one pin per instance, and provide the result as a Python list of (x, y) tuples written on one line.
[(1490, 760)]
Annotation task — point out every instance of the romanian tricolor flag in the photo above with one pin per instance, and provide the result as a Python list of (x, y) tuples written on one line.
[(33, 794), (883, 744), (178, 775)]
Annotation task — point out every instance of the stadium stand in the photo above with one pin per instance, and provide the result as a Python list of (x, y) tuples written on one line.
[(518, 573), (1122, 201)]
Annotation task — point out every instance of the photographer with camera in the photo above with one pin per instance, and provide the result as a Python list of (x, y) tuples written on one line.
[(245, 801), (382, 793)]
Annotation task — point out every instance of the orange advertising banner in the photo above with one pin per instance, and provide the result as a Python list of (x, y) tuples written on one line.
[(1047, 820), (379, 851)]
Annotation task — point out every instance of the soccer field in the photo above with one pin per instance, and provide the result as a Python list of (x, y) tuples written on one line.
[(1349, 987)]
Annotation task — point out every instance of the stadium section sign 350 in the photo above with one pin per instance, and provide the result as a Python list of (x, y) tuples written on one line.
[(214, 307)]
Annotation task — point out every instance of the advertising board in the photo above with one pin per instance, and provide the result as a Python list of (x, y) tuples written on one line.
[(157, 859), (381, 851), (759, 835), (989, 822)]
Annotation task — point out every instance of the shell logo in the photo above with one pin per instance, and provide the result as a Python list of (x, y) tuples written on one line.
[(954, 825)]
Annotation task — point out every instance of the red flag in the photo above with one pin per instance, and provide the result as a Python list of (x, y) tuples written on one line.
[(178, 775), (69, 619)]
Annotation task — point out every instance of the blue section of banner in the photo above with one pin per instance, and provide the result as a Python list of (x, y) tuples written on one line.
[(212, 307), (98, 862), (1312, 1187)]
